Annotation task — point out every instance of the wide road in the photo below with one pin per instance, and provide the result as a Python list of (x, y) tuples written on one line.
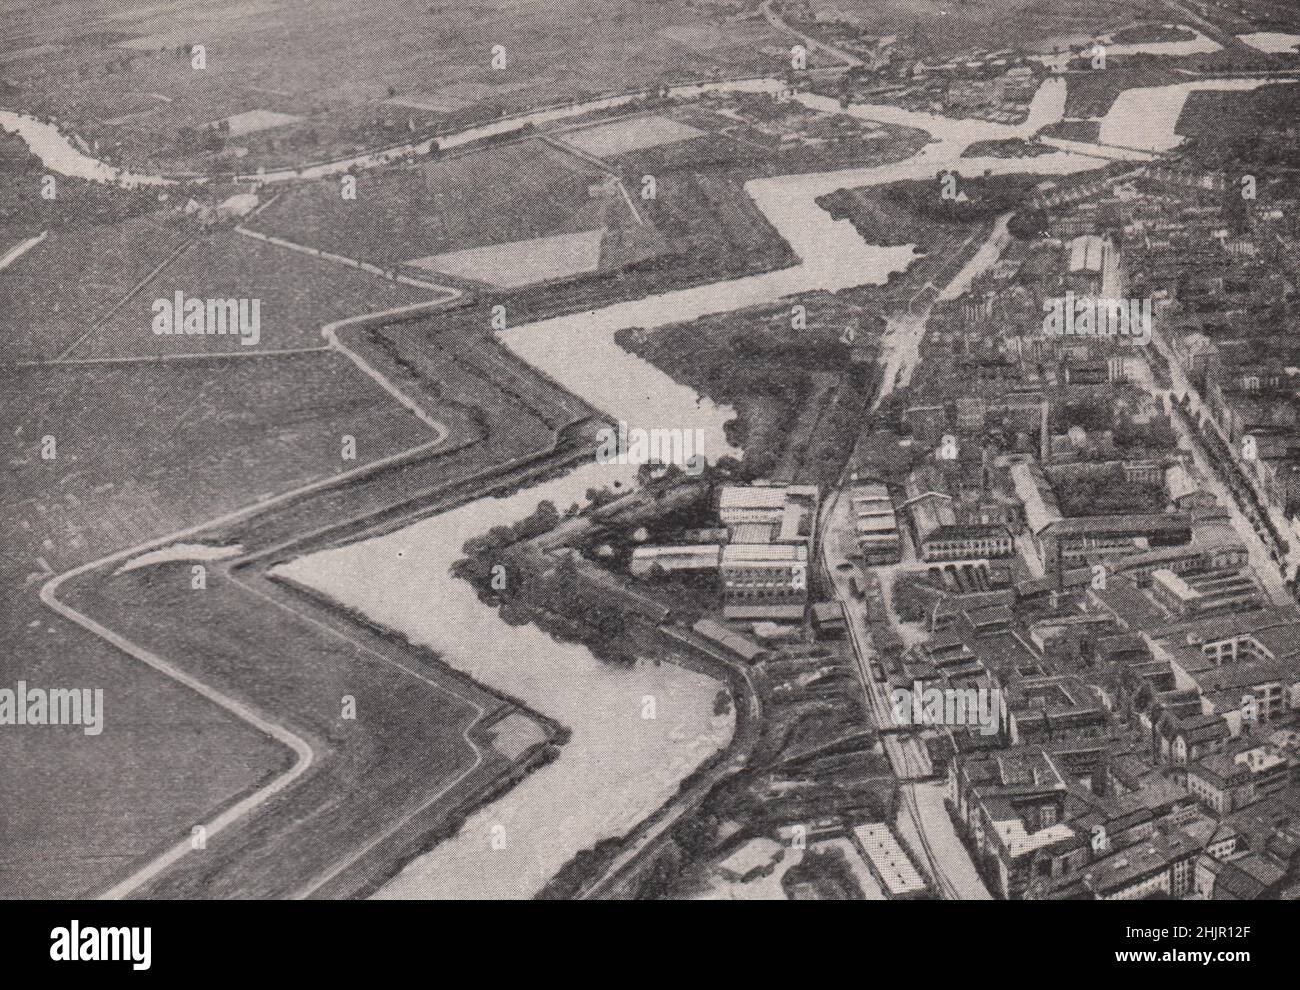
[(1261, 561), (949, 864)]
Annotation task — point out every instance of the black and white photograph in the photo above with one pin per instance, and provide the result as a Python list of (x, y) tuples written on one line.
[(651, 451)]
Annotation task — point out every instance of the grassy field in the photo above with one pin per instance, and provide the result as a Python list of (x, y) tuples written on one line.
[(145, 449), (519, 263), (298, 295), (947, 27), (352, 71), (70, 292), (497, 412), (55, 292), (403, 747), (621, 136), (701, 223), (498, 195), (148, 449), (80, 809), (749, 136)]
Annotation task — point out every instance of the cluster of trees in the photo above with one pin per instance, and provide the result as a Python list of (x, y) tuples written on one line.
[(882, 455), (212, 139), (555, 598), (484, 553), (197, 140), (1029, 224), (842, 423), (574, 610), (952, 198), (1109, 493), (77, 202), (1242, 132), (1157, 434), (1092, 416), (826, 870), (814, 352), (911, 601)]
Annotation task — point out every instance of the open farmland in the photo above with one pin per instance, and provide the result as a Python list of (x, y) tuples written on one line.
[(621, 136), (751, 135), (505, 423), (497, 195), (712, 218), (297, 293), (165, 760), (342, 67), (946, 27), (406, 753), (53, 294), (244, 430), (146, 449), (539, 259), (701, 220)]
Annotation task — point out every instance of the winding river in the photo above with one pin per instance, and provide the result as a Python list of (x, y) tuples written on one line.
[(619, 765), (617, 768)]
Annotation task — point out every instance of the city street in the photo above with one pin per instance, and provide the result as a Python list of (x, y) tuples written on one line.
[(923, 819), (1261, 560)]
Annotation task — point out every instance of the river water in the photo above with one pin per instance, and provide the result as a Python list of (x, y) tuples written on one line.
[(1145, 117), (60, 155), (1273, 42), (618, 766)]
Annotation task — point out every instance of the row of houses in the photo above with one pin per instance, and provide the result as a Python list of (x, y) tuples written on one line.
[(1041, 831)]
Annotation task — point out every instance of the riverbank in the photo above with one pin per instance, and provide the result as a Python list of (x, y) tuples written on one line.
[(631, 764)]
